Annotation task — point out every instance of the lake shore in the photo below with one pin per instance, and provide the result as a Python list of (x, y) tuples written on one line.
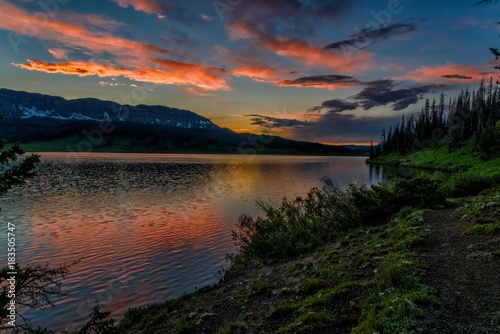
[(350, 284), (438, 159), (407, 273), (361, 260)]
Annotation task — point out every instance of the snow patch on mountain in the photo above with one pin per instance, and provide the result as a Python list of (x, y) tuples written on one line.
[(34, 112), (30, 112)]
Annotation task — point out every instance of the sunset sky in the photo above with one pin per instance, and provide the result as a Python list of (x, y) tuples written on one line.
[(327, 71)]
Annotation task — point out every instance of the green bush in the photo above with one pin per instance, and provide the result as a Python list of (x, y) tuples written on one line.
[(297, 227), (233, 327), (377, 203), (468, 184), (489, 139)]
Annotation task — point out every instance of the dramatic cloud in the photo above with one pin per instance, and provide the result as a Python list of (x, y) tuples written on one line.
[(335, 106), (456, 76), (259, 73), (94, 37), (124, 57), (252, 65), (366, 36), (167, 72), (383, 93), (311, 55), (377, 93), (279, 15), (447, 73), (265, 23), (205, 77), (332, 81), (147, 6), (296, 49), (269, 122), (343, 128)]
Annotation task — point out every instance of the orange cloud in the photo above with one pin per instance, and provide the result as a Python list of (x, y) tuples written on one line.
[(204, 77), (298, 49), (167, 73), (252, 65), (147, 6), (315, 84), (447, 73), (79, 68), (311, 55), (328, 81), (257, 73)]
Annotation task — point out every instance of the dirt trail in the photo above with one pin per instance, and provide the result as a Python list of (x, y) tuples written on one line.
[(466, 278)]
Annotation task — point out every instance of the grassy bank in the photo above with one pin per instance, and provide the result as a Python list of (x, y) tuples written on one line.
[(364, 280), (334, 261), (440, 159)]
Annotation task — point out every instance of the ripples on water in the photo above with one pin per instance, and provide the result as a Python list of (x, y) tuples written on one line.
[(147, 226)]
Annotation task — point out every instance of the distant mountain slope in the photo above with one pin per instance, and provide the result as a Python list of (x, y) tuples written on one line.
[(54, 123), (23, 105)]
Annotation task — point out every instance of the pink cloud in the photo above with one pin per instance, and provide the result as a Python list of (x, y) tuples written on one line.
[(316, 84), (297, 49), (146, 6), (73, 35), (58, 53), (252, 65), (447, 73), (311, 55)]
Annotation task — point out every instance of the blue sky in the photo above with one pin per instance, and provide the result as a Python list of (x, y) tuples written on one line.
[(328, 71)]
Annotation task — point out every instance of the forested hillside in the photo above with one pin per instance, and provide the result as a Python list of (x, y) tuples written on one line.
[(473, 116)]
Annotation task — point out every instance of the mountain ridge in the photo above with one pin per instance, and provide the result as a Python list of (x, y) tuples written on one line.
[(55, 123), (20, 104)]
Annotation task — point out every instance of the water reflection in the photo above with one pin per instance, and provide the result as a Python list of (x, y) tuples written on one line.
[(152, 226)]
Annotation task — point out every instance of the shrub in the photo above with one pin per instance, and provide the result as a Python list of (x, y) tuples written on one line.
[(232, 327), (289, 229), (468, 184), (296, 227), (377, 203), (419, 191)]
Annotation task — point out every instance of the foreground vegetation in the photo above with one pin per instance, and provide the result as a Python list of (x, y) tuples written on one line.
[(366, 279), (333, 261), (336, 260), (471, 116)]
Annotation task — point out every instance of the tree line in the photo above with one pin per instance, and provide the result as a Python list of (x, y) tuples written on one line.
[(470, 116)]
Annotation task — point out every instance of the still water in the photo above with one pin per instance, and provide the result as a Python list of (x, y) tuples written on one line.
[(148, 226)]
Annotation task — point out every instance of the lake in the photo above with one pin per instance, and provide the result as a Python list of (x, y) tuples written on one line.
[(148, 226)]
